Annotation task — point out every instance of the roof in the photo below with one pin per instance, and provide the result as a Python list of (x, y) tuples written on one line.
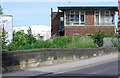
[(65, 7), (5, 15)]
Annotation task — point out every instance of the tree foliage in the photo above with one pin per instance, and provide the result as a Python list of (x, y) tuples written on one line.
[(1, 13), (31, 39), (21, 40), (4, 39)]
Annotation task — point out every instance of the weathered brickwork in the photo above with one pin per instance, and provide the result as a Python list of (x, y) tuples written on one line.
[(89, 18), (85, 30), (55, 22)]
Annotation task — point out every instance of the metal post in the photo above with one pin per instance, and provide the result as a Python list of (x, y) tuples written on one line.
[(51, 21), (118, 26), (119, 40)]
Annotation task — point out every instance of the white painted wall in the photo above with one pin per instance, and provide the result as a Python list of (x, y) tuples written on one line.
[(44, 31)]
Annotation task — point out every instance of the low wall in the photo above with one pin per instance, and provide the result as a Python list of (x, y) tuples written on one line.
[(110, 42), (23, 59)]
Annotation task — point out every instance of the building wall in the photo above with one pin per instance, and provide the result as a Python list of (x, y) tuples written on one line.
[(82, 30), (89, 18), (55, 22), (37, 31), (85, 30)]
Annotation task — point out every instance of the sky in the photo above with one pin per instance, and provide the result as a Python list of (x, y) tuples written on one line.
[(37, 12)]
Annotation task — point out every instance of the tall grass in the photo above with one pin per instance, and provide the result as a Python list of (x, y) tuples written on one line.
[(82, 42)]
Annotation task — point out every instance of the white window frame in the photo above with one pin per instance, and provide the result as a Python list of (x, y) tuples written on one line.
[(110, 23), (95, 18), (70, 17)]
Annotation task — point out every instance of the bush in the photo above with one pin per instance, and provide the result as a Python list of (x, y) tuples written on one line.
[(98, 37), (42, 44), (61, 42)]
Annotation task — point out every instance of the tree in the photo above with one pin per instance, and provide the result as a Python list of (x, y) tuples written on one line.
[(1, 13), (31, 39), (4, 39), (22, 40)]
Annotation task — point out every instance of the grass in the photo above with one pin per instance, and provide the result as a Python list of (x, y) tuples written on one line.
[(82, 42)]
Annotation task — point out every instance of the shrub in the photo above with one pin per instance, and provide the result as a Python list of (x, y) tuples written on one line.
[(98, 37), (42, 44), (61, 42)]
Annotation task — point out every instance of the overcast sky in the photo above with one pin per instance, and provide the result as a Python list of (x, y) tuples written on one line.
[(38, 12)]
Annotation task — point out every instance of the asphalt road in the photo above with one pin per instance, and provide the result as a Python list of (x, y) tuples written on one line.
[(106, 70)]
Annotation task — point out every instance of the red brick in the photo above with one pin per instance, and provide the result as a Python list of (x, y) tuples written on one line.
[(84, 30)]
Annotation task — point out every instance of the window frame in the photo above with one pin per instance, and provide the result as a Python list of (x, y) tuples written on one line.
[(110, 23), (74, 17)]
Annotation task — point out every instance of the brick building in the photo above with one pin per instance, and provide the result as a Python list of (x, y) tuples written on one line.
[(82, 20)]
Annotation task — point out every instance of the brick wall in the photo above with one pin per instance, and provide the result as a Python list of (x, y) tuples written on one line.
[(89, 18), (84, 30), (55, 22)]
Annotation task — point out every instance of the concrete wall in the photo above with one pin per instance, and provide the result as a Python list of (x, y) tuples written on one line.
[(109, 42), (84, 30), (22, 59)]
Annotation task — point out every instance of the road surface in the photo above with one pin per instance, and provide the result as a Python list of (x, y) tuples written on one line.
[(106, 69)]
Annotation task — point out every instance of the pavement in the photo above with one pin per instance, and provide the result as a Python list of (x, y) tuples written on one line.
[(38, 71)]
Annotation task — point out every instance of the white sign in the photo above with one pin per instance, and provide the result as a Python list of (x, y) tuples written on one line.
[(6, 22)]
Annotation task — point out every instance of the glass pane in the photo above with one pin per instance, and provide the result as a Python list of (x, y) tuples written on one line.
[(77, 23), (97, 20), (112, 19), (77, 17), (67, 13), (102, 13), (97, 13), (72, 16), (71, 19), (112, 12), (82, 18), (107, 12), (76, 12), (67, 19), (107, 18), (82, 13), (82, 23), (72, 12)]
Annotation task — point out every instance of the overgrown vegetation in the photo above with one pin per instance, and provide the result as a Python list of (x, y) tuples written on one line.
[(22, 41), (98, 37), (1, 13), (3, 37)]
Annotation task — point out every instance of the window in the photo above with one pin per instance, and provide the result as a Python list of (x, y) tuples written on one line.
[(61, 22), (40, 37), (97, 18), (112, 18), (104, 18), (74, 18), (82, 18)]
